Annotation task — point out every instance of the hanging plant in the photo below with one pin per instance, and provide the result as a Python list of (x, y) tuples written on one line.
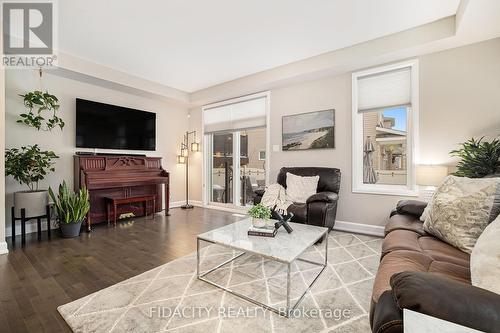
[(37, 102)]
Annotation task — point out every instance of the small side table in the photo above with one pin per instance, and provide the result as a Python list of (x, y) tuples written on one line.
[(25, 219)]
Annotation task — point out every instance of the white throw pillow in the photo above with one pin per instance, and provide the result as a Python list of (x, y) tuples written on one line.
[(427, 209), (298, 188), (485, 259), (461, 209)]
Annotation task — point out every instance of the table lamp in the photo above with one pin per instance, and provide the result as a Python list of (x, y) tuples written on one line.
[(430, 177)]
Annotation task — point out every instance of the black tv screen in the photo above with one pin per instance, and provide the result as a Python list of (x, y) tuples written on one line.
[(106, 126)]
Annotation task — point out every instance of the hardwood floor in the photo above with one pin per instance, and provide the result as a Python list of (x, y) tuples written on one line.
[(36, 279)]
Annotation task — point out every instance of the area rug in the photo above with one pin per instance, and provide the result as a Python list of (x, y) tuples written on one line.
[(170, 298)]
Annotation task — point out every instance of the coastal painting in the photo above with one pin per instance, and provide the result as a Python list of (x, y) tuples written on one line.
[(312, 130)]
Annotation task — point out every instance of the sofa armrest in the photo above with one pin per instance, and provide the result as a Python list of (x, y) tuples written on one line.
[(259, 192), (328, 197), (410, 207), (387, 317), (447, 299)]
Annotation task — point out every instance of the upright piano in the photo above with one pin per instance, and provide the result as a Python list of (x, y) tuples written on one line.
[(121, 176)]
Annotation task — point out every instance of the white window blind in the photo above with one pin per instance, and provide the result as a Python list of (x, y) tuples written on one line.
[(236, 116), (384, 90)]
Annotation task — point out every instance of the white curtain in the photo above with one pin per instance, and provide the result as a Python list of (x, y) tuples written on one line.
[(236, 116), (384, 90)]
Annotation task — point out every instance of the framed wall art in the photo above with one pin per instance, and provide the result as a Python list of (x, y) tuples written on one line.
[(311, 130)]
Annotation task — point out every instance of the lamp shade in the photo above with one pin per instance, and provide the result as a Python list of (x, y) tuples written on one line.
[(431, 175), (181, 159), (195, 146)]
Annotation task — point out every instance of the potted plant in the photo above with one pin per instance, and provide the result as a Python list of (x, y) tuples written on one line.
[(260, 215), (479, 158), (28, 166), (37, 102), (71, 209)]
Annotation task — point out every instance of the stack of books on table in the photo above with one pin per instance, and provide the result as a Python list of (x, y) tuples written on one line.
[(267, 231)]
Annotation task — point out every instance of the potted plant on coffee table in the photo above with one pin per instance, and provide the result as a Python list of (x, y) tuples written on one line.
[(71, 209), (260, 216), (28, 166)]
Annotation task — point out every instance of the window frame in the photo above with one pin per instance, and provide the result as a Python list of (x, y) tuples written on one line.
[(410, 189)]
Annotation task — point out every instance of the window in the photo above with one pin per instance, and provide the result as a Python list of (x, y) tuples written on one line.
[(235, 134), (385, 121)]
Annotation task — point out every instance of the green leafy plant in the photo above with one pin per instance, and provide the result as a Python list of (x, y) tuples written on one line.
[(29, 165), (479, 158), (70, 207), (37, 102), (259, 211)]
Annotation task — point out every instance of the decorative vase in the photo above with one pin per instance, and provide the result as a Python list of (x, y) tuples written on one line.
[(70, 230), (34, 203), (259, 223)]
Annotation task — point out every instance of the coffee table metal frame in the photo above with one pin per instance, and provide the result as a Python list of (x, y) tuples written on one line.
[(288, 310)]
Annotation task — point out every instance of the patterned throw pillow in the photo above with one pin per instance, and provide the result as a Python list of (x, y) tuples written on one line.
[(485, 259), (298, 188), (461, 209)]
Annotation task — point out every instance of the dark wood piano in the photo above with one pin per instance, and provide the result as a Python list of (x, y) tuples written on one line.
[(121, 176)]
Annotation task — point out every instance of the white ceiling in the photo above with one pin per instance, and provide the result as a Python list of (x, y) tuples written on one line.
[(194, 44)]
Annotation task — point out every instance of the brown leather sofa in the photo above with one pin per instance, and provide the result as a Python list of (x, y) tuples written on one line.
[(422, 273), (320, 208)]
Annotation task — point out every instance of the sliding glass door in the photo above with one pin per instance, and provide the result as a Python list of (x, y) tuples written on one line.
[(252, 164), (235, 150), (237, 166), (221, 171)]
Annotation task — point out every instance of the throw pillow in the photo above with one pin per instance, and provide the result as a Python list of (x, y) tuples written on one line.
[(461, 209), (427, 209), (298, 188), (485, 259)]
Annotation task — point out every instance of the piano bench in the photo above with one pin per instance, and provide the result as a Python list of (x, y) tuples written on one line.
[(114, 202)]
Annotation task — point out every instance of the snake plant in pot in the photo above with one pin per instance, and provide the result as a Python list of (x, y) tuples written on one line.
[(71, 209)]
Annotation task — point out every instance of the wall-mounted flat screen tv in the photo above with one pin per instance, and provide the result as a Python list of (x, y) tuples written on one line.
[(106, 126)]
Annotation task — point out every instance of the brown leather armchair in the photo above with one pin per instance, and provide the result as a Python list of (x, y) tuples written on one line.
[(321, 208)]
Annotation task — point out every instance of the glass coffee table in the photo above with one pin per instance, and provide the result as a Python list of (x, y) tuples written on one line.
[(284, 248)]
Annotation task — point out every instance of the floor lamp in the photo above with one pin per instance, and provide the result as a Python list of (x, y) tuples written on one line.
[(183, 158)]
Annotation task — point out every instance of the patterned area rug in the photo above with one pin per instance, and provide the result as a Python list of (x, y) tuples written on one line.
[(170, 298)]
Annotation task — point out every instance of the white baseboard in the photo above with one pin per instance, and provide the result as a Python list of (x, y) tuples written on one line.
[(367, 229), (3, 248), (242, 210), (30, 227), (177, 204)]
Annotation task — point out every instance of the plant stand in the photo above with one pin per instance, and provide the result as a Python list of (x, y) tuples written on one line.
[(24, 219)]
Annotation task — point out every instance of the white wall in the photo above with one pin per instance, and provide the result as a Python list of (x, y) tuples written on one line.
[(171, 123), (459, 98), (3, 244)]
